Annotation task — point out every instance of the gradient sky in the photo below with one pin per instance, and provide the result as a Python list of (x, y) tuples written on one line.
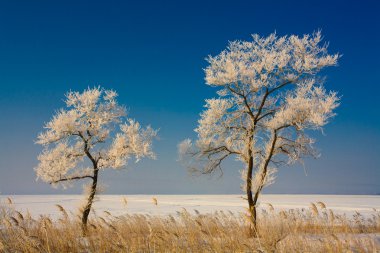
[(152, 54)]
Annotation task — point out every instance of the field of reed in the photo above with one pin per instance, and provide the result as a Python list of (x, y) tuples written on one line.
[(313, 229)]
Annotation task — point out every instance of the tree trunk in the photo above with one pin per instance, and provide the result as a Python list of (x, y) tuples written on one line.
[(87, 208), (251, 202)]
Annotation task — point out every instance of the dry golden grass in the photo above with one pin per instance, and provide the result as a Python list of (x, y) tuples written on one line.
[(316, 229)]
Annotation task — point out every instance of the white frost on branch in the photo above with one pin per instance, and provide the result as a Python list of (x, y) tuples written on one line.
[(308, 106), (254, 62), (133, 141), (90, 135), (269, 95)]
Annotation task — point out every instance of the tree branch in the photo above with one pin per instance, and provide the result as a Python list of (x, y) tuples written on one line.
[(70, 178), (244, 99)]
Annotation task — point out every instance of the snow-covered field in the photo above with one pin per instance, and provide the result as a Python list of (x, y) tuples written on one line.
[(169, 204)]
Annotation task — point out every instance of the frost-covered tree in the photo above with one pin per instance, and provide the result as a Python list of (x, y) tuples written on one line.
[(92, 134), (269, 95)]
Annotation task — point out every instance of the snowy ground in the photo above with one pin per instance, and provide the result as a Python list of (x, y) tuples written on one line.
[(169, 204)]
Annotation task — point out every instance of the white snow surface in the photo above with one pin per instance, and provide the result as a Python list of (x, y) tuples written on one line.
[(170, 204)]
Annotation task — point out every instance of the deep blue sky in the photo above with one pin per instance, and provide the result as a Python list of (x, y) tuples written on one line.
[(152, 54)]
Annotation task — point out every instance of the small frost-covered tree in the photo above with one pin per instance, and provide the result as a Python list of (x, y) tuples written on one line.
[(269, 95), (90, 135)]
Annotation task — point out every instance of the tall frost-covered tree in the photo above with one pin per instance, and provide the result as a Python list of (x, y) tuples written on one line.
[(92, 134), (269, 95)]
